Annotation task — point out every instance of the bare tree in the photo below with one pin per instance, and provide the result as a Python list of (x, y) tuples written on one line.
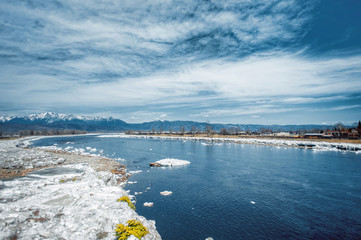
[(223, 131), (182, 130), (193, 130), (209, 130)]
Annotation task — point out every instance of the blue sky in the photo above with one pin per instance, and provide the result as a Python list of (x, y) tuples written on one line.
[(260, 61)]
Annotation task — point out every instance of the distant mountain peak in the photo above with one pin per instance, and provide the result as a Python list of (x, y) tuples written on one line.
[(52, 120)]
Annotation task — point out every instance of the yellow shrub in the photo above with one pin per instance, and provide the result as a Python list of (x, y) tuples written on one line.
[(68, 180), (134, 228), (126, 199)]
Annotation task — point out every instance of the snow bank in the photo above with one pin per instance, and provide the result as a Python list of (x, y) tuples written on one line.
[(172, 162)]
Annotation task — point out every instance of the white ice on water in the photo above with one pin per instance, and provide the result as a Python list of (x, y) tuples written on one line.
[(316, 145), (166, 193), (64, 202), (148, 204), (172, 162)]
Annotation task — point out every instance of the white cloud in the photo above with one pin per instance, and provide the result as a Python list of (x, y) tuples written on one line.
[(166, 55), (346, 107)]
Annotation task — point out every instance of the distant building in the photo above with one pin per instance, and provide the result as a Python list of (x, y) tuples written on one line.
[(336, 133), (282, 134), (353, 134), (313, 135)]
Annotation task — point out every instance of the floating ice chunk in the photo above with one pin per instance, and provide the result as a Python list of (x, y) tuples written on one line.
[(130, 182), (137, 193), (148, 188), (172, 162), (209, 238), (148, 204), (150, 149), (252, 202), (166, 193), (135, 172)]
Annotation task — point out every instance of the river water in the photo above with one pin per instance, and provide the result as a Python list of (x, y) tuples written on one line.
[(237, 191)]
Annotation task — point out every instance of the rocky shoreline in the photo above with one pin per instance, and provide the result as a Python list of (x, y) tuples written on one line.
[(48, 194)]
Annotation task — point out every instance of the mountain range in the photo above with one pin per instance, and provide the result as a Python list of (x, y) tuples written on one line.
[(59, 121)]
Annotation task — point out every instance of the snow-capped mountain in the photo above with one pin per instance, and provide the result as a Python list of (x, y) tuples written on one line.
[(50, 120), (5, 118), (51, 117)]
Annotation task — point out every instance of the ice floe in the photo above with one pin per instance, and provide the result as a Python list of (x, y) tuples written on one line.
[(166, 193), (148, 204), (172, 162), (87, 151), (135, 172)]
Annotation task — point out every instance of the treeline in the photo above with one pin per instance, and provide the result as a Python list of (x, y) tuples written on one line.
[(338, 131), (44, 132)]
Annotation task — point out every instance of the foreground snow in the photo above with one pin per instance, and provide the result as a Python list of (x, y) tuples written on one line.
[(13, 156), (65, 202), (318, 145), (172, 162)]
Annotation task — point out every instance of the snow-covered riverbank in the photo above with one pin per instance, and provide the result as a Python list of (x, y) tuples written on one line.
[(317, 145), (68, 201)]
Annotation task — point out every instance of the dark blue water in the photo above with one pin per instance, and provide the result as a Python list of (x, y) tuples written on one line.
[(297, 193)]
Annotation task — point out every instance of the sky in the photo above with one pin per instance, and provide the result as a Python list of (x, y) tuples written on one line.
[(245, 62)]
